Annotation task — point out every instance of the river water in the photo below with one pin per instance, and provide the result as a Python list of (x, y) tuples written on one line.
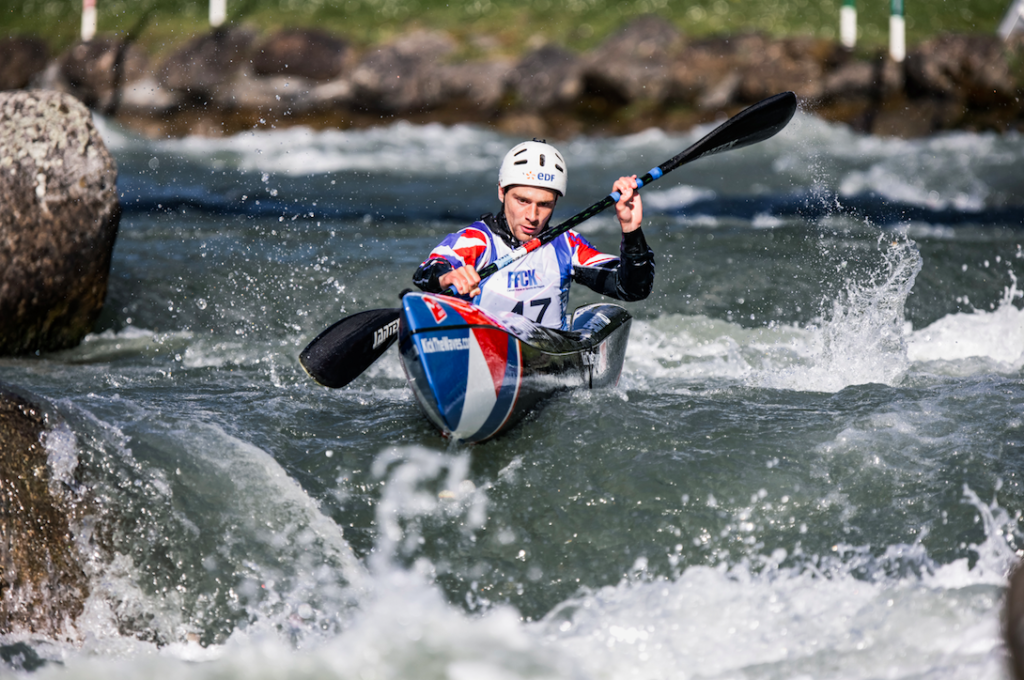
[(811, 467)]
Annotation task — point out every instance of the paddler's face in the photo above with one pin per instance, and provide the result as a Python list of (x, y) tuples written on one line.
[(527, 209)]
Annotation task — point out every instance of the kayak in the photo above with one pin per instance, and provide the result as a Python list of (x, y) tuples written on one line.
[(476, 374)]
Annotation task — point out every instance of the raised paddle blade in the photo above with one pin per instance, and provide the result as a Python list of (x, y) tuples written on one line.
[(343, 351), (753, 124)]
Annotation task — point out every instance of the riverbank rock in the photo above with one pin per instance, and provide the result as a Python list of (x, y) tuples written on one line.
[(402, 77), (203, 69), (42, 584), (21, 59), (58, 189), (475, 87), (306, 53), (646, 75), (547, 77), (633, 64), (95, 72), (971, 68)]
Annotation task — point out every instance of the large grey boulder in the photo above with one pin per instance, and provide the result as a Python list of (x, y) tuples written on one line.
[(42, 584), (58, 189)]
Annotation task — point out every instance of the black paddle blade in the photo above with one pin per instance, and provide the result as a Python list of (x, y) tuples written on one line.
[(343, 351), (751, 125)]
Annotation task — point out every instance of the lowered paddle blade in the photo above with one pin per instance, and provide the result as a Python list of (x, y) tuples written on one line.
[(343, 351)]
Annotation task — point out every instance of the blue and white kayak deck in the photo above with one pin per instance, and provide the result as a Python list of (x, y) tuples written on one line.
[(475, 374)]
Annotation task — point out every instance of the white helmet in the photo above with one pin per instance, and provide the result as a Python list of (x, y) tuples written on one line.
[(534, 164)]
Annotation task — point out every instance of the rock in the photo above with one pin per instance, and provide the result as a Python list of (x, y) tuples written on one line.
[(634, 63), (796, 64), (709, 72), (95, 71), (58, 223), (204, 67), (21, 59), (475, 85), (402, 77), (218, 84), (546, 78), (148, 95), (721, 94), (1013, 621), (306, 53), (854, 78), (247, 91), (42, 584), (909, 118), (332, 94), (964, 67)]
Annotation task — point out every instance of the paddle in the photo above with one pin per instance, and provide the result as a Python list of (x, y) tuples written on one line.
[(343, 351)]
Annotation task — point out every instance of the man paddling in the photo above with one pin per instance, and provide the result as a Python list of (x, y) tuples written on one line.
[(531, 179)]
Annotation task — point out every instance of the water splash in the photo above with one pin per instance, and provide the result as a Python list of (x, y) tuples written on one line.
[(861, 337), (997, 336)]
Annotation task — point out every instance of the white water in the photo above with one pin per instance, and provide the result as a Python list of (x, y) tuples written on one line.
[(746, 621)]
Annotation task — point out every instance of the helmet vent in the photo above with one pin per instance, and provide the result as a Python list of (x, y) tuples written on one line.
[(521, 162), (542, 160)]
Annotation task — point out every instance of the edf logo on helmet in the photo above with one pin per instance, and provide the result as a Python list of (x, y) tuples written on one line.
[(540, 176)]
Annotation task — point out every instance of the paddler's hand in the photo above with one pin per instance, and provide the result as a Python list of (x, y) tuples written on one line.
[(465, 279), (629, 209)]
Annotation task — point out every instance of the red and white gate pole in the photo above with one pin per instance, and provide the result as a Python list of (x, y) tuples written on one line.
[(88, 20)]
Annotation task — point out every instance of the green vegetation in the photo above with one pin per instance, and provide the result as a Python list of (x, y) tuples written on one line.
[(501, 26)]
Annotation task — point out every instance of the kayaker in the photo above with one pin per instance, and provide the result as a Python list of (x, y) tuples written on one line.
[(532, 177)]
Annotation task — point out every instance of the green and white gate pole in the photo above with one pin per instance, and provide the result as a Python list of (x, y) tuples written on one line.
[(88, 20), (218, 12), (897, 32), (848, 24)]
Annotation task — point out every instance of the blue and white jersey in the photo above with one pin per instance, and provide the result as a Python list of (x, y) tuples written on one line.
[(536, 286)]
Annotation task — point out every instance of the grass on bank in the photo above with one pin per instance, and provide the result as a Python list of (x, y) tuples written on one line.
[(498, 26)]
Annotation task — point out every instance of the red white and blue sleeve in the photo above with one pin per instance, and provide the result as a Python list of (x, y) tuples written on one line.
[(629, 277), (466, 246)]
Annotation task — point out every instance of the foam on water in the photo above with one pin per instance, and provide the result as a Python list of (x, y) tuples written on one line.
[(674, 198), (849, 614), (271, 554), (859, 339), (198, 502), (962, 171), (997, 335), (299, 151)]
